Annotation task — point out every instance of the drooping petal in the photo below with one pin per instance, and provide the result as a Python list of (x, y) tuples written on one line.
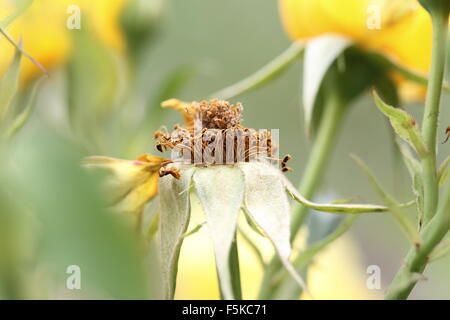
[(267, 203), (221, 192), (132, 183), (174, 207)]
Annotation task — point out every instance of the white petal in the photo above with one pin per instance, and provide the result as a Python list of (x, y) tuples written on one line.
[(221, 192), (267, 203)]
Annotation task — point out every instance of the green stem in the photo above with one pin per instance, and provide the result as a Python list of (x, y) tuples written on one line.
[(431, 114), (439, 223), (417, 258), (320, 155), (266, 73)]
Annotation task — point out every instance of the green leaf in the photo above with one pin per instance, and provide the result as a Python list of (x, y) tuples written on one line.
[(404, 125), (267, 203), (175, 209), (220, 190), (394, 207), (9, 85), (320, 53)]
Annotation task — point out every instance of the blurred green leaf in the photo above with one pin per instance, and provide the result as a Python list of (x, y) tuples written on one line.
[(220, 190), (404, 125), (76, 229)]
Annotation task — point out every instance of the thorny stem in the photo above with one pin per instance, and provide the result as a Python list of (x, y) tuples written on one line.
[(438, 223), (320, 155), (431, 114), (417, 258)]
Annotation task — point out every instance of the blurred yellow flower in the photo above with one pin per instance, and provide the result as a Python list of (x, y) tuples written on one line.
[(46, 37), (400, 29)]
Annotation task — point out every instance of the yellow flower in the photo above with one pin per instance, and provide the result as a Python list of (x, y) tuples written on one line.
[(403, 31), (43, 28), (133, 183)]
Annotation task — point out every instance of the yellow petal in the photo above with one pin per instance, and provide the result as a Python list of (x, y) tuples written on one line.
[(404, 33), (132, 183), (408, 41)]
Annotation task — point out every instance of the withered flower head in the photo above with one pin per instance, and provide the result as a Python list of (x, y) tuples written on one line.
[(213, 134)]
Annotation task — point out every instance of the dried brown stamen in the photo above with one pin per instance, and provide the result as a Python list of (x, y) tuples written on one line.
[(215, 136)]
